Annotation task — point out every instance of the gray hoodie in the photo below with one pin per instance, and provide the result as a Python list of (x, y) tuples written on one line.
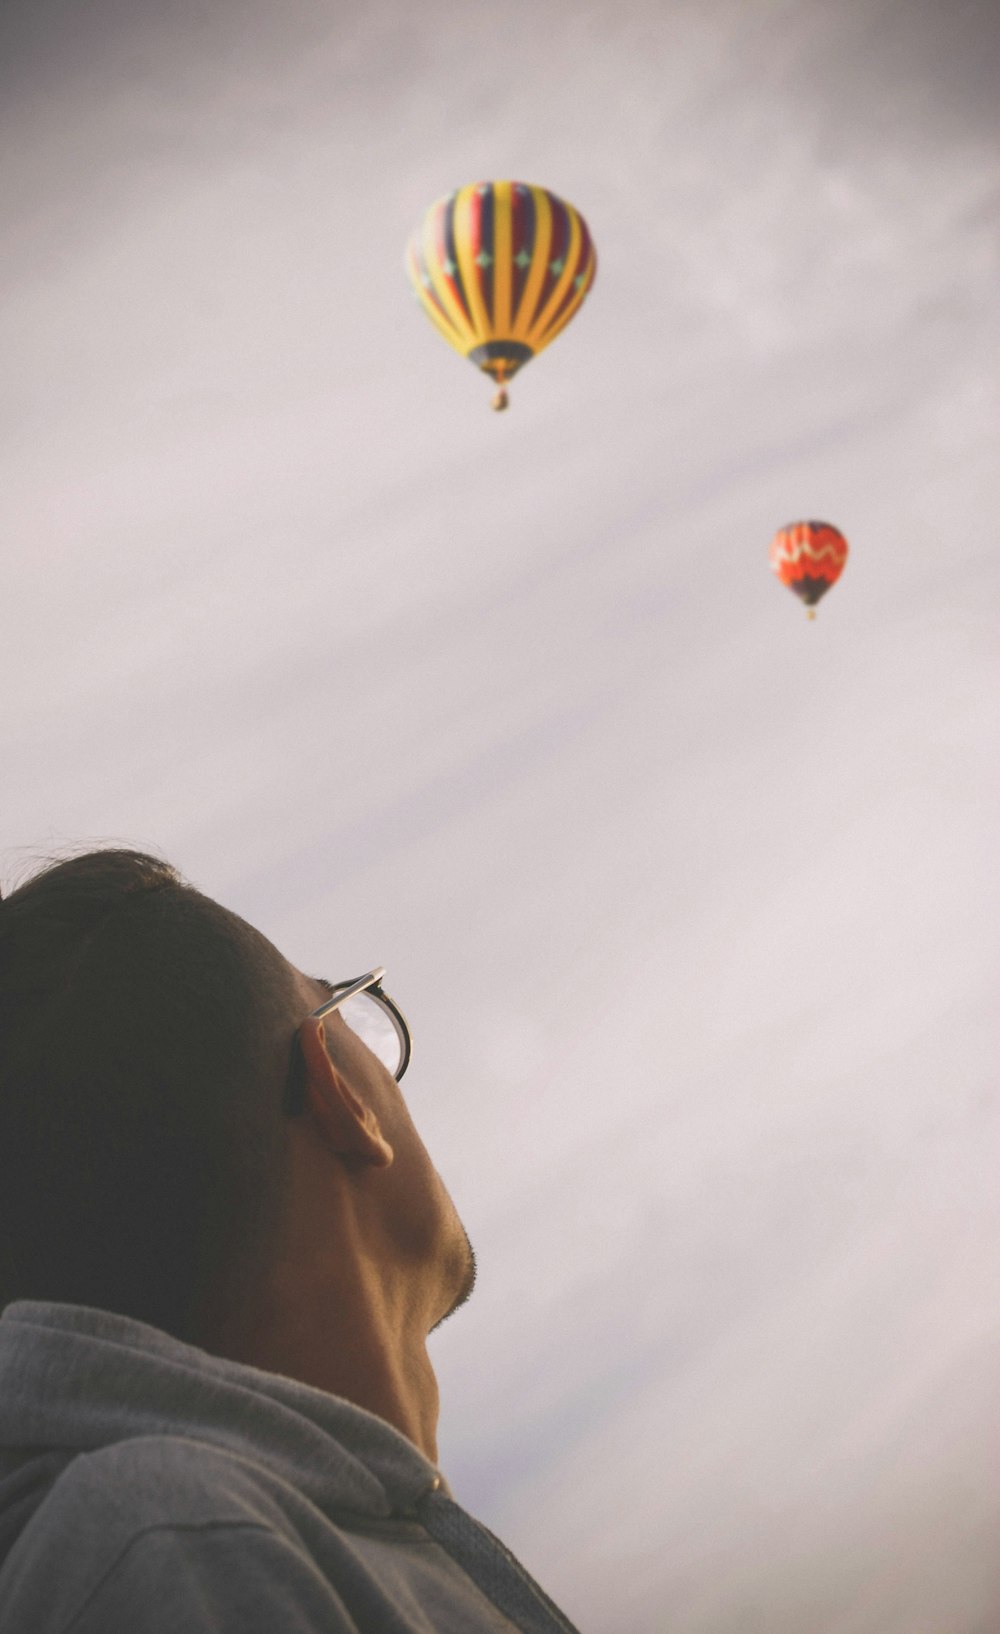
[(147, 1487)]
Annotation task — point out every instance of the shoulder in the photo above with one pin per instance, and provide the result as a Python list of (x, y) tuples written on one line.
[(159, 1480), (147, 1532)]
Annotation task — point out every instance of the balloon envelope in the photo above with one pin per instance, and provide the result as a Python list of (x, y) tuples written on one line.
[(500, 268), (808, 557)]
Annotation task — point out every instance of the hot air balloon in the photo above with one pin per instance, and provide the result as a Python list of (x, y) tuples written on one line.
[(808, 557), (500, 268)]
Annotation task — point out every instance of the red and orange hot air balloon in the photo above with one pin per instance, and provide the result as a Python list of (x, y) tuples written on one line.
[(501, 268), (808, 557)]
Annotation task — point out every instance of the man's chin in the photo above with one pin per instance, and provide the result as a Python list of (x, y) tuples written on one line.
[(466, 1282)]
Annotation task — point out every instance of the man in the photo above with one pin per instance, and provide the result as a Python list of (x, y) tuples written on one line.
[(222, 1248)]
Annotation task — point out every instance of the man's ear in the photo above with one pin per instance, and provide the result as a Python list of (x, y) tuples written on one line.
[(349, 1125)]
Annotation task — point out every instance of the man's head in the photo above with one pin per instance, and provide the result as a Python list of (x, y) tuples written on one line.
[(148, 1160)]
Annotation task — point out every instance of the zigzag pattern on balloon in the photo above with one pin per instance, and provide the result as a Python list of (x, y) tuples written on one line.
[(829, 553), (817, 540)]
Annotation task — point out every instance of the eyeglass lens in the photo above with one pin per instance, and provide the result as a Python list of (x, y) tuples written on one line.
[(371, 1021)]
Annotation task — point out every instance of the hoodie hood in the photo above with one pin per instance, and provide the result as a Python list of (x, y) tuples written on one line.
[(74, 1379)]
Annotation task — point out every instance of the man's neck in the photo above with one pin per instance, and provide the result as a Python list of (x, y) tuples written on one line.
[(361, 1357)]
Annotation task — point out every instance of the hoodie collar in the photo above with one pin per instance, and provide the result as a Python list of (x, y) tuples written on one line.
[(76, 1378)]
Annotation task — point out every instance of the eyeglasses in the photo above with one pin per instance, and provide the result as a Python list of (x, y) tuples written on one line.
[(372, 1016)]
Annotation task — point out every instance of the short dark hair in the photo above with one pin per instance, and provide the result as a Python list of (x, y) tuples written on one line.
[(144, 1032)]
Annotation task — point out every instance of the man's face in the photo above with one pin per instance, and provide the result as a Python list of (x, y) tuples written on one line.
[(418, 1215)]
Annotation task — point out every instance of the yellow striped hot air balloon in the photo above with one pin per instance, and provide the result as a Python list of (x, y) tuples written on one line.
[(500, 268)]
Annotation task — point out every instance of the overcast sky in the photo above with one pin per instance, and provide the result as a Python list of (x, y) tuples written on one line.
[(692, 903)]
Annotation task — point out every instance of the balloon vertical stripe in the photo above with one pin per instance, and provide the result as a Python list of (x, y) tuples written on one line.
[(431, 300), (539, 264), (580, 277), (560, 271), (463, 235), (433, 245), (522, 240), (502, 232), (451, 264), (486, 257), (555, 261)]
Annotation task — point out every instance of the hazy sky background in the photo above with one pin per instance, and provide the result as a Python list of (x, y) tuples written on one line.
[(692, 904)]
